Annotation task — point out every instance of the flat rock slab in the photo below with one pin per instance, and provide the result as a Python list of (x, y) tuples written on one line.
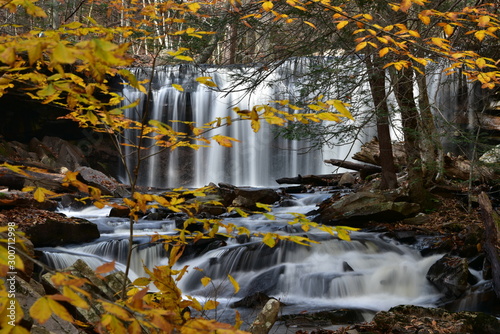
[(51, 229)]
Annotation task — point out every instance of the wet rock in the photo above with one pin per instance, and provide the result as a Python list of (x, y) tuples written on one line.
[(120, 211), (26, 295), (450, 275), (50, 229), (256, 300), (107, 288), (15, 198), (359, 208), (22, 244), (107, 185), (409, 319), (248, 197)]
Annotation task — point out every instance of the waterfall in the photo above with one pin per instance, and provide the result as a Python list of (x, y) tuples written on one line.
[(258, 160)]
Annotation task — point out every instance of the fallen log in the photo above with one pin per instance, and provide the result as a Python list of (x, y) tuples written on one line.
[(370, 153), (363, 169), (491, 239), (315, 180)]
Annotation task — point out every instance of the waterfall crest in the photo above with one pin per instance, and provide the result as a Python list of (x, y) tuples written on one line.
[(258, 160)]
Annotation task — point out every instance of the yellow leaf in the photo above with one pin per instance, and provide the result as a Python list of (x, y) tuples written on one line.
[(205, 280), (178, 87), (483, 21), (480, 35), (383, 52), (8, 56), (116, 310), (224, 141), (34, 53), (425, 19), (39, 195), (193, 6), (61, 54), (343, 234), (361, 46), (210, 305), (40, 310), (76, 300), (481, 62), (186, 58), (342, 109), (448, 30), (141, 281), (269, 240), (328, 116), (58, 309), (310, 24), (342, 24), (267, 5), (234, 283)]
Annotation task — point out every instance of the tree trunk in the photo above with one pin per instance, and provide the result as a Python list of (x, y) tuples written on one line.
[(376, 78), (410, 118), (492, 239)]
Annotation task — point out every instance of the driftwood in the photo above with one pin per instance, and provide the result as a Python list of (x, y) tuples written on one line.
[(370, 153), (266, 318), (492, 239), (315, 180), (363, 169)]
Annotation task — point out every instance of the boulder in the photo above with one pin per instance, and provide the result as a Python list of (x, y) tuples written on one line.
[(20, 199), (107, 185), (50, 229), (247, 198), (64, 153), (347, 180), (359, 208), (450, 275), (107, 289), (26, 295)]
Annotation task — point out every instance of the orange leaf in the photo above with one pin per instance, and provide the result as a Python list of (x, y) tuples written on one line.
[(405, 5), (105, 268)]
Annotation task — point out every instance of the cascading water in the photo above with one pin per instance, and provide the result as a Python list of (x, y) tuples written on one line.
[(258, 160), (367, 274)]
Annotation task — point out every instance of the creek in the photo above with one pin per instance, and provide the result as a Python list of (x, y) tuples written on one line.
[(368, 274)]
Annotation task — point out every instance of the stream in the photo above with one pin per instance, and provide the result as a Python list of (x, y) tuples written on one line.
[(367, 274)]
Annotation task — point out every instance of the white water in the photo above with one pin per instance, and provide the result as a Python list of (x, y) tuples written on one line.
[(258, 160), (368, 274)]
